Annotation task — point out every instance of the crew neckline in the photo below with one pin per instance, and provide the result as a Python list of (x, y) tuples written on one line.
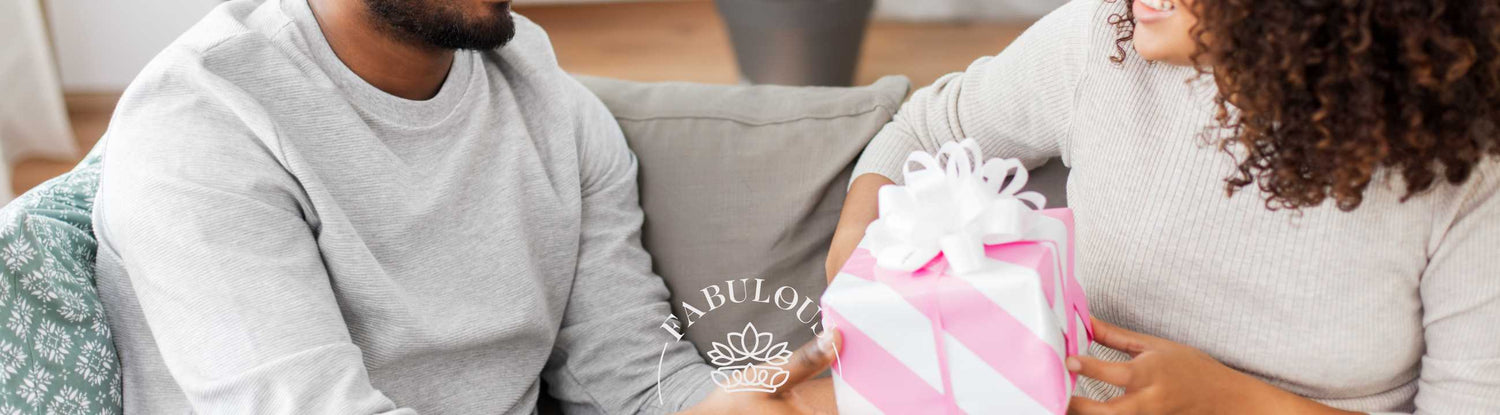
[(374, 101)]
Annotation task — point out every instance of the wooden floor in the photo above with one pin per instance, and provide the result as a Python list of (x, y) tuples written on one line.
[(662, 41)]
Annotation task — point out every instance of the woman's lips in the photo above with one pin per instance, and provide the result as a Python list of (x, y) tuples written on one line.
[(1147, 11)]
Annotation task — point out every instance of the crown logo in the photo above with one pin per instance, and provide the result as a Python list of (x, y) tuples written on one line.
[(749, 362)]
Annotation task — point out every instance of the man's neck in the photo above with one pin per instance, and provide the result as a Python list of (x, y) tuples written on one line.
[(397, 66)]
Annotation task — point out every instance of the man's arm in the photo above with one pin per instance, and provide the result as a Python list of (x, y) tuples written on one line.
[(607, 351), (226, 270)]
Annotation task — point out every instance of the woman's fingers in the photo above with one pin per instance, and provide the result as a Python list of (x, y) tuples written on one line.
[(1084, 406), (1124, 405), (1114, 337), (1118, 374), (812, 358)]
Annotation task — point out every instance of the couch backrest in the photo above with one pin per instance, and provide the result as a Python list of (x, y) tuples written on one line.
[(745, 183)]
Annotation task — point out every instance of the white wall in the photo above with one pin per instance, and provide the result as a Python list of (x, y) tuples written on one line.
[(921, 10), (947, 10), (525, 2), (102, 44)]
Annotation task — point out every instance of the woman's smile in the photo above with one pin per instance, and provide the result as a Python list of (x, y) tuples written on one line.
[(1147, 11)]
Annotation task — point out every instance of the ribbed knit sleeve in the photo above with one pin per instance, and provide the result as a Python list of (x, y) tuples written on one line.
[(1460, 291), (1017, 104)]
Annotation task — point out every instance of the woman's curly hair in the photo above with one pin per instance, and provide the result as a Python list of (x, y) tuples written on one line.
[(1326, 93)]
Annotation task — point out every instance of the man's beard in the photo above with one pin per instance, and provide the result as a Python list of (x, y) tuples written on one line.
[(442, 24)]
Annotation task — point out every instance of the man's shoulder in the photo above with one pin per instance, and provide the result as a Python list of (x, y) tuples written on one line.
[(531, 61), (226, 31), (529, 51), (235, 43), (216, 76)]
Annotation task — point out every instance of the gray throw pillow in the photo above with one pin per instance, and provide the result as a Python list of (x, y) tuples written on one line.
[(741, 183)]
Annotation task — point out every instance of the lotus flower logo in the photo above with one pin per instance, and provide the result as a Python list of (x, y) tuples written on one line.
[(748, 362)]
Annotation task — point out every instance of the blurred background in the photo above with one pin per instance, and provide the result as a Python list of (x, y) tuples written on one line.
[(63, 63)]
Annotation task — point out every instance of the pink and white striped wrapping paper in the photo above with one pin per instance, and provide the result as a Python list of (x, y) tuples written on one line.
[(986, 342)]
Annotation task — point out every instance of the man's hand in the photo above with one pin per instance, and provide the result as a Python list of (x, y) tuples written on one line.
[(798, 395), (1165, 377)]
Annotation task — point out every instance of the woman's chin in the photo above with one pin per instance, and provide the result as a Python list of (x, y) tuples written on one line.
[(1147, 50), (1155, 52), (1159, 42)]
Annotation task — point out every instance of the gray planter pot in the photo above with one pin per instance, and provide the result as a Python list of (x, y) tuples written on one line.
[(797, 42)]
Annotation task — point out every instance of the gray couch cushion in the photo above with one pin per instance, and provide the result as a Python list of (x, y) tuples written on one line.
[(745, 182)]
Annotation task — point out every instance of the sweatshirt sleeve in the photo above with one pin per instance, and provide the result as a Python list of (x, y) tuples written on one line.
[(226, 270), (1018, 104), (1460, 293), (607, 352)]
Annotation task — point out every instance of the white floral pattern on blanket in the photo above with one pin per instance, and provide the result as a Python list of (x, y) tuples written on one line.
[(56, 353)]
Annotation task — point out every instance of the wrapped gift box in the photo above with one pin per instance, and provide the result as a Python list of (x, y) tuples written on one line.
[(961, 298)]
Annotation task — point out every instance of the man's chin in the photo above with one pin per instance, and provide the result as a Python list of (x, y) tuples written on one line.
[(491, 35), (488, 28), (496, 42), (497, 30)]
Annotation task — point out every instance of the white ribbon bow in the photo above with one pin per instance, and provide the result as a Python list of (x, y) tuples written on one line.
[(954, 208)]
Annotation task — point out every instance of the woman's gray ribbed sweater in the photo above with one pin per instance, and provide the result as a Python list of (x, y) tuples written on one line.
[(1392, 307)]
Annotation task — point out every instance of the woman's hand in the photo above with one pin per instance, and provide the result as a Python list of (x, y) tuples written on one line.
[(798, 395), (860, 208), (1165, 377)]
